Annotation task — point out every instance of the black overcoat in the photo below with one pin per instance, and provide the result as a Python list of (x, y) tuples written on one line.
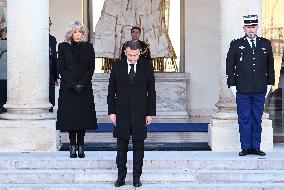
[(131, 102), (76, 111), (250, 71)]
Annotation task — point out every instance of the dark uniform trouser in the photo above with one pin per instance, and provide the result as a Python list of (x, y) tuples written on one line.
[(80, 137), (250, 108), (51, 94), (121, 158), (3, 93)]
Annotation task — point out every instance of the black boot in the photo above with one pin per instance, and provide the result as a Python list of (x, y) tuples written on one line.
[(81, 152), (73, 153)]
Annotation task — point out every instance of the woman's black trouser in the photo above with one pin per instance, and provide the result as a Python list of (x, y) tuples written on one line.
[(77, 137)]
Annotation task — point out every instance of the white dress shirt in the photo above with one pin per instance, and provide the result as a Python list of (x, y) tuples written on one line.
[(250, 43), (129, 67)]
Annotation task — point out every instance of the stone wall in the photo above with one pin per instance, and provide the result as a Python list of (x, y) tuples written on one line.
[(171, 90)]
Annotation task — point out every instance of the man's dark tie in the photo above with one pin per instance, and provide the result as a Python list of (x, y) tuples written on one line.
[(252, 44), (131, 73)]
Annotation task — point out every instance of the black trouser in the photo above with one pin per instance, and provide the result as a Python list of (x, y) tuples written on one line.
[(51, 94), (80, 137), (3, 93), (121, 158)]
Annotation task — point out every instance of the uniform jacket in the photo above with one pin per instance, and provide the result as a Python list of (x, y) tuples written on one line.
[(145, 51), (250, 71), (76, 111), (131, 103)]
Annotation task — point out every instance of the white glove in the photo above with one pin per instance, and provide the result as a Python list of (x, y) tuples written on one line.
[(234, 90), (268, 90)]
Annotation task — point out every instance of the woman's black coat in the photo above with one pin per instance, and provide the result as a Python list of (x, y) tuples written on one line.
[(76, 65)]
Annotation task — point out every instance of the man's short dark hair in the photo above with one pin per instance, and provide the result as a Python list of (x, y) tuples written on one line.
[(135, 27), (132, 45)]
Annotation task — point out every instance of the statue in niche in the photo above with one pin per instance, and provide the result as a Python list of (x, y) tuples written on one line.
[(117, 19)]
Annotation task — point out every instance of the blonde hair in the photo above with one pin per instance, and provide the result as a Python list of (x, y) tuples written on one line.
[(72, 27)]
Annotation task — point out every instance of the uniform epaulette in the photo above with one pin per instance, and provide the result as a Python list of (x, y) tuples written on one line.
[(146, 43), (262, 38), (238, 39)]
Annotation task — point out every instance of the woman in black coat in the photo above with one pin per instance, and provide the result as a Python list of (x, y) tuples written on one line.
[(76, 108)]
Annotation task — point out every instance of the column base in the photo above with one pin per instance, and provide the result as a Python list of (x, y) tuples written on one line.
[(28, 135), (224, 134)]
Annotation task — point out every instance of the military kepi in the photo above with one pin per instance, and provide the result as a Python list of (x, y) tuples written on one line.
[(250, 20)]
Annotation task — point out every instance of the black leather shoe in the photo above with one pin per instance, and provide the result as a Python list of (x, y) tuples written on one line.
[(81, 152), (258, 152), (137, 182), (2, 110), (244, 152), (73, 151), (119, 182)]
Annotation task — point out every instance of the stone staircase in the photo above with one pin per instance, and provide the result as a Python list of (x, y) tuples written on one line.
[(152, 137), (162, 170)]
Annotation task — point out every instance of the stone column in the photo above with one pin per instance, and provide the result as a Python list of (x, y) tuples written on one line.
[(27, 125), (223, 129)]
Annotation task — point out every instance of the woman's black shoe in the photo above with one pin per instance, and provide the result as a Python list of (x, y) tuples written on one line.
[(81, 152), (73, 153)]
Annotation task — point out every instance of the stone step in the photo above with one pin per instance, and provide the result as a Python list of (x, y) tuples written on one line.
[(152, 137), (148, 177), (173, 170), (154, 160), (148, 164), (128, 186)]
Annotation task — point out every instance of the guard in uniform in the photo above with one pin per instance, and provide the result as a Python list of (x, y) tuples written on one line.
[(3, 66), (145, 47), (250, 73), (53, 74)]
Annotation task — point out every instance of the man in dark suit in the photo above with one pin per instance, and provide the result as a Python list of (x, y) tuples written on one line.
[(53, 74), (250, 73), (131, 104), (145, 47)]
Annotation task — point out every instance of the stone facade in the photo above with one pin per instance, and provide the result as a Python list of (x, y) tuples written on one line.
[(207, 35)]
